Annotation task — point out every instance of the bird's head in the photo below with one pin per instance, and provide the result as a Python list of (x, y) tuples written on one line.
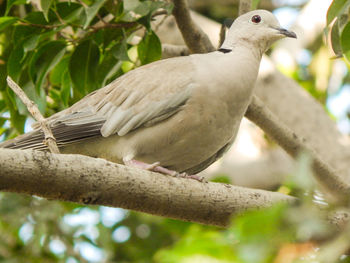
[(258, 27)]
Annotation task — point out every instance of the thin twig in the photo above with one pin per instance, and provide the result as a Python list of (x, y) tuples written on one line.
[(50, 140)]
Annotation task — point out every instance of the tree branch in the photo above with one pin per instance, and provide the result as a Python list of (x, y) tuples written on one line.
[(259, 114), (321, 133), (196, 40), (87, 180), (49, 140)]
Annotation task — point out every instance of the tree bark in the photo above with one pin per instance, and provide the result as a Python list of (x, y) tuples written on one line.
[(87, 180)]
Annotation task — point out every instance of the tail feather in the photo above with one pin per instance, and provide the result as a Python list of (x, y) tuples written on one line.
[(64, 135)]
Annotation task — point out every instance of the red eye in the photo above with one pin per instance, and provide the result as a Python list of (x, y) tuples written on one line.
[(256, 19)]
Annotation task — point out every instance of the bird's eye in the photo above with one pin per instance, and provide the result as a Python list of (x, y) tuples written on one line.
[(256, 19)]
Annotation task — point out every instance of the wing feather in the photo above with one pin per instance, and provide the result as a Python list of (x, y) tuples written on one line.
[(141, 97)]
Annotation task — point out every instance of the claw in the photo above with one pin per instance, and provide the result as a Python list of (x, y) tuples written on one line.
[(155, 167)]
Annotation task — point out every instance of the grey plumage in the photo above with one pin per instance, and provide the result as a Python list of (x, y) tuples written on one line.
[(183, 112)]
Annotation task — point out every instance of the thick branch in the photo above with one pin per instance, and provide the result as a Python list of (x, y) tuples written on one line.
[(196, 40), (50, 140), (87, 180), (264, 118)]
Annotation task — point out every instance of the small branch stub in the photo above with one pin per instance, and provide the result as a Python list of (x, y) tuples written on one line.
[(50, 140)]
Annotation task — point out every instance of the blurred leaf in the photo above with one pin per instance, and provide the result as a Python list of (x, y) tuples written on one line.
[(10, 3), (334, 10), (3, 75), (110, 35), (120, 51), (2, 120), (221, 179), (45, 6), (107, 69), (345, 41), (14, 63), (92, 10), (22, 34), (2, 104), (135, 9), (59, 70), (335, 40), (71, 12), (17, 120), (260, 233), (151, 7), (66, 87), (150, 48), (82, 66), (255, 4), (39, 98), (36, 18), (6, 21), (44, 59), (198, 244)]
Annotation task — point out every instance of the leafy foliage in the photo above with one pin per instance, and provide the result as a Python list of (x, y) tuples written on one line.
[(65, 50), (338, 18)]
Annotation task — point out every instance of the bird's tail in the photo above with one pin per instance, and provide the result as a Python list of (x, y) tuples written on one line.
[(30, 140)]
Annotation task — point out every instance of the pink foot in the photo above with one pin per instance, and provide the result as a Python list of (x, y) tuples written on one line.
[(155, 167)]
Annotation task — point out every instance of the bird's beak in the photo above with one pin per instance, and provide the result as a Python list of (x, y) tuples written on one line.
[(286, 33)]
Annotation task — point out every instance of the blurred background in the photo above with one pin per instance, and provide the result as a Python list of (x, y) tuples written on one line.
[(44, 47)]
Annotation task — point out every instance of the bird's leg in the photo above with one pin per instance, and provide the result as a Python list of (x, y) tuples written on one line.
[(155, 167)]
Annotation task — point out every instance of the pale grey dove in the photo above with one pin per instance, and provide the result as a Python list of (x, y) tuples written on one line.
[(178, 114)]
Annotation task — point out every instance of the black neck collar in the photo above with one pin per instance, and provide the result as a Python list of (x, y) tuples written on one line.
[(224, 50)]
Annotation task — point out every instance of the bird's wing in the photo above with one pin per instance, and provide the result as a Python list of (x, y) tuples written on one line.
[(141, 97)]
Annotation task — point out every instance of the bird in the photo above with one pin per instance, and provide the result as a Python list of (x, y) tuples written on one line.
[(175, 116)]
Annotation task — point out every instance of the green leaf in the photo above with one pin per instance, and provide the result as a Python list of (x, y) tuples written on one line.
[(345, 41), (150, 48), (2, 103), (135, 9), (334, 10), (15, 63), (66, 87), (92, 10), (36, 18), (58, 71), (112, 34), (31, 43), (45, 6), (71, 12), (3, 75), (82, 66), (44, 59), (39, 98), (10, 3), (17, 120), (107, 69), (22, 33), (120, 51), (255, 4), (6, 21), (335, 39)]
